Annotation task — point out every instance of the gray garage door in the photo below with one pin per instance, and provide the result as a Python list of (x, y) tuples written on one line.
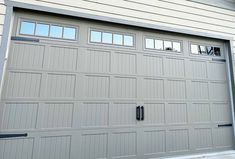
[(76, 89)]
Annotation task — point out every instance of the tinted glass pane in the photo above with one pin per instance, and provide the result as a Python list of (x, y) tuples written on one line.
[(107, 38), (117, 39), (210, 50), (217, 51), (176, 47), (159, 44), (56, 31), (95, 36), (128, 40), (27, 28), (202, 49), (194, 49), (42, 30), (168, 45), (149, 43), (69, 33)]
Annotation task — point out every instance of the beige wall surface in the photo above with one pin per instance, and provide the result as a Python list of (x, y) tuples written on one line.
[(181, 14)]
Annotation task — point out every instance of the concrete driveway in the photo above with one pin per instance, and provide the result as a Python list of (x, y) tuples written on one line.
[(217, 155)]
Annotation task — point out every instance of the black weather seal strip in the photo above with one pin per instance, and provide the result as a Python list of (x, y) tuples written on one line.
[(18, 38), (221, 60), (225, 125), (2, 136)]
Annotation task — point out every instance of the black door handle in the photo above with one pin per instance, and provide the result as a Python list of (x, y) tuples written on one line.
[(142, 112), (138, 113), (12, 135)]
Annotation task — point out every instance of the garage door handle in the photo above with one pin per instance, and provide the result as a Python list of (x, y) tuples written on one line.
[(142, 113), (138, 113), (12, 135)]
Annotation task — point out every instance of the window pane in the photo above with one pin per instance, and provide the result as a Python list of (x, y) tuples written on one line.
[(202, 49), (194, 49), (210, 50), (69, 33), (27, 28), (168, 45), (56, 31), (107, 38), (149, 43), (95, 36), (42, 30), (117, 39), (128, 40), (176, 47), (217, 51), (159, 44)]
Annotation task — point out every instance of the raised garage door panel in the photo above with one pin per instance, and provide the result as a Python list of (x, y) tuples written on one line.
[(76, 99)]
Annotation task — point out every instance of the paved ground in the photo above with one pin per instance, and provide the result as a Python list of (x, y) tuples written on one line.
[(219, 155)]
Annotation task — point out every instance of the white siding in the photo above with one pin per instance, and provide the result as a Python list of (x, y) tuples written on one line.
[(2, 17)]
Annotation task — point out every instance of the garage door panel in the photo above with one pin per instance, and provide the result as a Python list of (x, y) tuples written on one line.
[(123, 114), (26, 55), (94, 114), (23, 84), (124, 87), (61, 58), (55, 147), (97, 61), (203, 138), (197, 69), (19, 116), (199, 113), (94, 146), (176, 113), (174, 67), (153, 88), (175, 89), (124, 145), (21, 148), (177, 140), (221, 112), (223, 137), (152, 65), (154, 114), (199, 90), (124, 63), (217, 71), (218, 91), (60, 86), (55, 115)]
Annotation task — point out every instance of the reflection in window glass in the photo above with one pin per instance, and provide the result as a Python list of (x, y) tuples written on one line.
[(210, 50), (149, 43), (168, 45), (202, 49), (159, 44), (117, 39), (27, 28), (128, 40), (69, 33), (194, 49), (56, 31), (95, 36), (217, 51), (176, 47), (42, 30), (107, 38)]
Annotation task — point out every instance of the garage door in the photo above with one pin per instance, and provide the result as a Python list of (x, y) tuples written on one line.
[(77, 89)]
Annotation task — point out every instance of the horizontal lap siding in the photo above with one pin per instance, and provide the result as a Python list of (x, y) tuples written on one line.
[(2, 17)]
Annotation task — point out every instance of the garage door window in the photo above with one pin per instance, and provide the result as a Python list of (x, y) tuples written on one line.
[(47, 30), (111, 38), (158, 44), (205, 50)]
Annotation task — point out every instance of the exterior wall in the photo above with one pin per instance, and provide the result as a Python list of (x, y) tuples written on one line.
[(2, 17), (180, 14)]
